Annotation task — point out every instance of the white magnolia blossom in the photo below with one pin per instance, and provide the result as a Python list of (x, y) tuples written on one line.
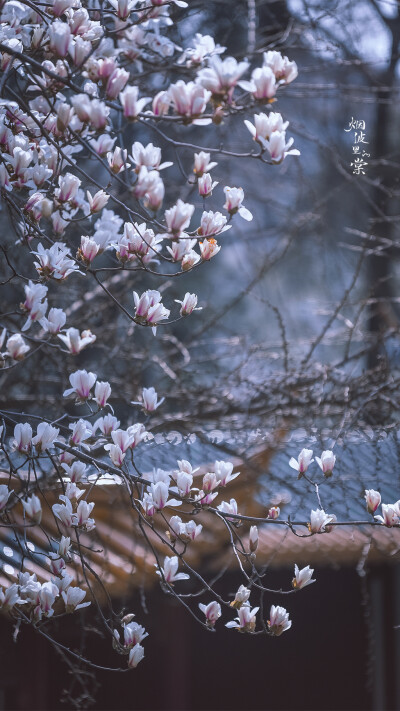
[(102, 392), (45, 436), (149, 309), (169, 572), (73, 599), (132, 105), (319, 521), (390, 515), (54, 321), (206, 185), (326, 462), (303, 461), (202, 163), (33, 508), (212, 612), (302, 577), (22, 437), (150, 401), (221, 75), (372, 499), (233, 203), (135, 656), (82, 383), (16, 347), (190, 101), (224, 472), (229, 508), (241, 597), (246, 619), (189, 304), (278, 620), (253, 539), (76, 341)]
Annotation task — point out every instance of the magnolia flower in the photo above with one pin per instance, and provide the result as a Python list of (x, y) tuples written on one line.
[(57, 564), (184, 481), (54, 321), (45, 436), (233, 203), (161, 103), (223, 472), (263, 84), (134, 634), (4, 496), (178, 217), (10, 597), (117, 160), (202, 163), (106, 424), (278, 147), (274, 512), (22, 437), (149, 309), (123, 8), (169, 571), (81, 382), (116, 82), (390, 515), (265, 125), (373, 500), (148, 156), (190, 101), (212, 612), (184, 531), (16, 347), (241, 597), (88, 249), (102, 392), (209, 483), (159, 493), (150, 401), (131, 104), (326, 463), (212, 223), (246, 619), (55, 262), (229, 508), (116, 454), (221, 75), (319, 521), (45, 600), (302, 577), (80, 431), (203, 46), (97, 201), (68, 187), (135, 656), (82, 515), (64, 511), (303, 461), (278, 620), (59, 35), (76, 471), (285, 70), (188, 305), (206, 185), (253, 539), (64, 546), (76, 342), (73, 599), (33, 508)]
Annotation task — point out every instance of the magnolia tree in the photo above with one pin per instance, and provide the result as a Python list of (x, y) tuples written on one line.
[(83, 85)]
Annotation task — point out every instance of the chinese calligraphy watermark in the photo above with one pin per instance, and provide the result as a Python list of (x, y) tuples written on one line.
[(357, 127)]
